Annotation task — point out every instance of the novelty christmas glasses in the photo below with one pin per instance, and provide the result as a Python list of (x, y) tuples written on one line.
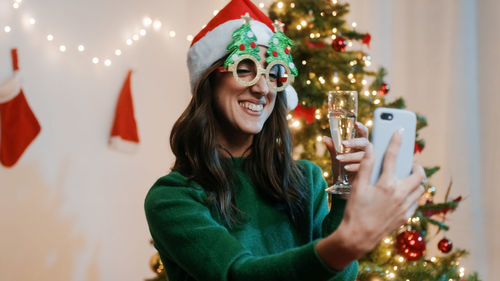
[(244, 58)]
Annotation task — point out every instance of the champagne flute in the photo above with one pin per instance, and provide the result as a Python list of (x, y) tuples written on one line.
[(342, 112)]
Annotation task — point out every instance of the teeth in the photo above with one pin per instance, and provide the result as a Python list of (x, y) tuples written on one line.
[(252, 106)]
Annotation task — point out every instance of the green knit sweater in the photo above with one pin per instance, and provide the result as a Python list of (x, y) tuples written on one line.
[(194, 245)]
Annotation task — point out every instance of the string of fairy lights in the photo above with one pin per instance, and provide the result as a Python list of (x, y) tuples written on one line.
[(147, 24)]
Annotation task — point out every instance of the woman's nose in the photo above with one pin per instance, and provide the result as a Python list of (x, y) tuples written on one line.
[(261, 86)]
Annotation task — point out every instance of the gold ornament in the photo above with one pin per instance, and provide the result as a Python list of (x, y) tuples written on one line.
[(155, 264)]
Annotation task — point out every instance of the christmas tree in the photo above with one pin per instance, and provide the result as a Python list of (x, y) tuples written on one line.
[(331, 55)]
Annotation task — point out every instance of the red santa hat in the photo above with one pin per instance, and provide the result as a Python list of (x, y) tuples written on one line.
[(124, 136), (19, 126), (209, 45)]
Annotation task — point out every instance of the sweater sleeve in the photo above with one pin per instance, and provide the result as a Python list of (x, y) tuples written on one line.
[(185, 233)]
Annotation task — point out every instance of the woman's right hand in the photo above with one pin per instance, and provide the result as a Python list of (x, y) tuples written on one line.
[(372, 212)]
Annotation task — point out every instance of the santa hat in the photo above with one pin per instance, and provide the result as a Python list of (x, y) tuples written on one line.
[(18, 123), (124, 136), (209, 45)]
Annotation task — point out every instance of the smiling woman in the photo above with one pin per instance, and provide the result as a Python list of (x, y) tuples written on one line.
[(236, 206)]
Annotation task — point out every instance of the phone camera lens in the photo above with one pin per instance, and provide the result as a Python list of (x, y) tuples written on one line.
[(386, 116)]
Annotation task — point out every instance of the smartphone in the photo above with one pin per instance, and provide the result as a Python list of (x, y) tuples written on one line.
[(386, 121)]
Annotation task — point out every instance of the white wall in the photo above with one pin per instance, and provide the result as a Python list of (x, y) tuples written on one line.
[(72, 209)]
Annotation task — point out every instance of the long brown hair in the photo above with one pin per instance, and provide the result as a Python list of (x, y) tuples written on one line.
[(270, 165)]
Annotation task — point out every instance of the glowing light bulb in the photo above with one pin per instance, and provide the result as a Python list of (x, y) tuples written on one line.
[(303, 23), (335, 80), (7, 29), (363, 82), (292, 5), (50, 37), (334, 37), (129, 42), (304, 62), (32, 21), (325, 174), (377, 101), (433, 259), (189, 38), (350, 76), (81, 48), (15, 5), (135, 37), (299, 27), (334, 30), (118, 52), (157, 25), (280, 5), (289, 117), (215, 12), (95, 60), (321, 80), (172, 33), (334, 2), (308, 82), (367, 93), (62, 48), (147, 21), (107, 62), (317, 35), (349, 43), (319, 138), (388, 253), (142, 32), (387, 240), (334, 13), (317, 116), (368, 63), (311, 35), (296, 124), (261, 5), (354, 24), (369, 123)]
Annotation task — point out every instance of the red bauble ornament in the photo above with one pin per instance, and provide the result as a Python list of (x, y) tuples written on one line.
[(418, 148), (445, 245), (410, 244), (242, 47), (366, 39), (253, 45), (287, 50), (384, 89), (339, 44), (275, 54)]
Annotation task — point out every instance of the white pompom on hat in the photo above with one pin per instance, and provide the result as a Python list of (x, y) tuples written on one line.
[(209, 45)]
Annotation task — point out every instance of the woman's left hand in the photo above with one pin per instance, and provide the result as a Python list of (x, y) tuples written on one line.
[(356, 148)]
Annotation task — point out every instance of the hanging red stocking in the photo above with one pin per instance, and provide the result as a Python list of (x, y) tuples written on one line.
[(124, 134), (19, 126)]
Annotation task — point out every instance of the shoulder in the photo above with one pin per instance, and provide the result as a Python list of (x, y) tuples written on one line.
[(313, 176), (309, 169), (173, 186)]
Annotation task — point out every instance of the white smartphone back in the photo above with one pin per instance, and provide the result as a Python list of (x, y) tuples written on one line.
[(386, 121)]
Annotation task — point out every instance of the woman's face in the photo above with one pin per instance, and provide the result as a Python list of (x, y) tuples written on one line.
[(243, 109)]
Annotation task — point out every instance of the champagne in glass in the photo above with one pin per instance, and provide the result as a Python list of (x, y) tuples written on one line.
[(342, 112)]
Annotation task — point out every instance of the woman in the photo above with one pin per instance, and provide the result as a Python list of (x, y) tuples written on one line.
[(236, 206)]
